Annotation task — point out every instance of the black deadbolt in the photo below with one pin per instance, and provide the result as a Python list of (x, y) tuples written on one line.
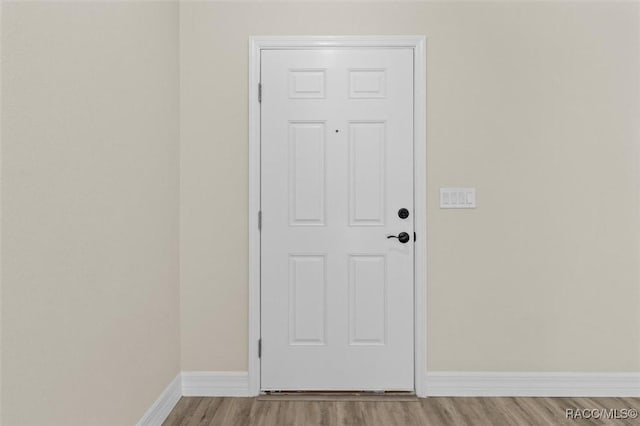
[(403, 213)]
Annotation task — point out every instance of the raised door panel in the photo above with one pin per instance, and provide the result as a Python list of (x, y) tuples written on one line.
[(307, 299), (366, 173), (367, 83), (306, 173), (307, 84), (367, 299)]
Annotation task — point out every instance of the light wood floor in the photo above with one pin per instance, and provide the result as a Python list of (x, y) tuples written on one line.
[(192, 411)]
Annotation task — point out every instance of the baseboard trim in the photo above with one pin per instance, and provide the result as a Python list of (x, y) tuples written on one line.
[(455, 383), (159, 411), (436, 383), (215, 383)]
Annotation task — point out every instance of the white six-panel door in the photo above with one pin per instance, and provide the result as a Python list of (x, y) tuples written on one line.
[(337, 295)]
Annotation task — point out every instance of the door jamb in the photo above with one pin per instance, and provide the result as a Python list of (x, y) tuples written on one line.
[(418, 44)]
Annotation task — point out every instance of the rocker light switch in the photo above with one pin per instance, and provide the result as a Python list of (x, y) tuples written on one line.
[(457, 198)]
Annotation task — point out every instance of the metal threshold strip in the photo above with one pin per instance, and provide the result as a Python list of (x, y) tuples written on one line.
[(363, 396)]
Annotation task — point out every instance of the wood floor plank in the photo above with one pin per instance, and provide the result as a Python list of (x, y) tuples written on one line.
[(432, 415), (538, 412), (435, 411), (399, 413), (221, 415), (237, 412), (264, 413), (183, 411), (198, 412), (180, 411), (486, 411), (349, 414), (451, 412), (315, 413)]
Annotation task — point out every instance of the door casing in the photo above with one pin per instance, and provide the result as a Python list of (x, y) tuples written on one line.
[(418, 44)]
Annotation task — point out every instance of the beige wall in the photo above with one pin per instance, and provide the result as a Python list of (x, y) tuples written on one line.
[(534, 104), (90, 210), (1, 416)]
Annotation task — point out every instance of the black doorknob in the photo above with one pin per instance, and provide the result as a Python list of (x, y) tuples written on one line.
[(403, 237)]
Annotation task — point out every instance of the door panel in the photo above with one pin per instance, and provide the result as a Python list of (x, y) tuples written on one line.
[(307, 296), (366, 173), (307, 173), (367, 299), (337, 165)]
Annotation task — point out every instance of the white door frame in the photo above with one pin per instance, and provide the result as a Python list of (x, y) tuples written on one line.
[(417, 43)]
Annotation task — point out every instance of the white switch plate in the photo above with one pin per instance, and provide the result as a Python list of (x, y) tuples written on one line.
[(457, 198)]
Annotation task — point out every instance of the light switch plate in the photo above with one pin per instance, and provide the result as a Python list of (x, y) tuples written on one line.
[(457, 198)]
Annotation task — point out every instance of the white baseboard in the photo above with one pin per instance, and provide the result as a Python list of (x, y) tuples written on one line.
[(159, 411), (437, 383), (215, 383), (455, 383)]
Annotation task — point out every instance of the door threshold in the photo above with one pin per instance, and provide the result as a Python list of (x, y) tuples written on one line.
[(363, 396)]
